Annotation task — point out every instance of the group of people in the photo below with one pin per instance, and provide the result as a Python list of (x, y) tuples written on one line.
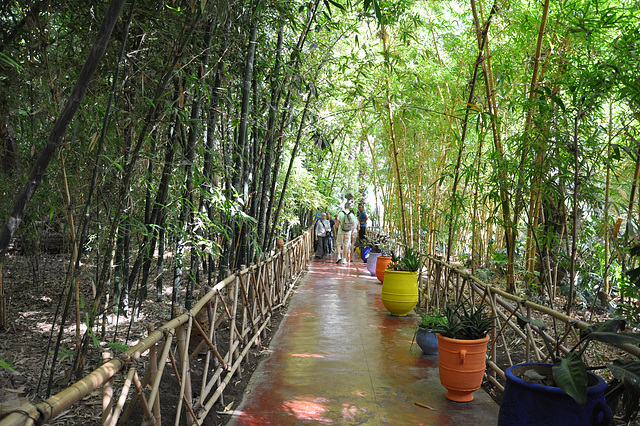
[(341, 231)]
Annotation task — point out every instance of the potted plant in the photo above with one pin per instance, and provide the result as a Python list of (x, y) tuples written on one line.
[(571, 394), (383, 260), (462, 350), (364, 247), (400, 284), (424, 335)]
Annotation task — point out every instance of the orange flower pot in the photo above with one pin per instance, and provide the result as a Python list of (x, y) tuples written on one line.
[(461, 364), (381, 265), (399, 291)]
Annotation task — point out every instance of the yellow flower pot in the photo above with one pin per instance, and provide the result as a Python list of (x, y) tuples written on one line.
[(399, 291)]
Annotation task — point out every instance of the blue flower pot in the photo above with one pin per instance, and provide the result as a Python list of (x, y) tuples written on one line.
[(364, 253), (525, 403), (427, 340)]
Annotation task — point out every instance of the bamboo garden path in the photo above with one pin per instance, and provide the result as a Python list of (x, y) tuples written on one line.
[(339, 357)]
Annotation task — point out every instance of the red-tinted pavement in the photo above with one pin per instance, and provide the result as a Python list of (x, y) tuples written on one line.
[(340, 358)]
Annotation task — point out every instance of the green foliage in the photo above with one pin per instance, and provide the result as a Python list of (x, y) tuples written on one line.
[(571, 375), (379, 243), (432, 321), (629, 286), (118, 346), (6, 364), (465, 323), (570, 372), (409, 261)]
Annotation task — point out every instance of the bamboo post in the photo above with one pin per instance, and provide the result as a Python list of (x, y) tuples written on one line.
[(183, 350), (233, 349), (123, 398), (212, 348), (528, 341), (107, 393), (153, 369), (187, 403), (155, 387), (141, 398), (494, 355)]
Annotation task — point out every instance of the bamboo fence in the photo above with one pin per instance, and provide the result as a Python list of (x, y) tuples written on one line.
[(442, 283), (204, 348)]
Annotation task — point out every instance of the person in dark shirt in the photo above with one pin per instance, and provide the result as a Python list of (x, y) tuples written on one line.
[(362, 221)]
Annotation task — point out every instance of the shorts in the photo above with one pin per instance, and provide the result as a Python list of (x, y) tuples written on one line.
[(344, 240)]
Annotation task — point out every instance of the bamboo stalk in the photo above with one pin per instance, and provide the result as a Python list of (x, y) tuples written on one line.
[(155, 387), (153, 371), (141, 398), (183, 351), (115, 415), (107, 393), (182, 396)]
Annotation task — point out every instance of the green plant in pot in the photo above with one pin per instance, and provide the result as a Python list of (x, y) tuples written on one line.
[(408, 262), (424, 335), (380, 246), (462, 350), (400, 283), (568, 390)]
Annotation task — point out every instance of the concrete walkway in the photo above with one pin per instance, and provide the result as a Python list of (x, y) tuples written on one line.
[(340, 358)]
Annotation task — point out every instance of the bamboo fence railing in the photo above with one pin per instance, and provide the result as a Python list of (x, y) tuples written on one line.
[(236, 311), (442, 283)]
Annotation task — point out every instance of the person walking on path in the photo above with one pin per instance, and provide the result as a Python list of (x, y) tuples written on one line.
[(330, 238), (345, 226), (362, 221), (321, 228)]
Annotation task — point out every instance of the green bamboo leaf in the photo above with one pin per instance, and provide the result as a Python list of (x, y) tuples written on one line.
[(6, 364), (328, 6), (376, 9), (338, 5), (627, 371), (571, 376)]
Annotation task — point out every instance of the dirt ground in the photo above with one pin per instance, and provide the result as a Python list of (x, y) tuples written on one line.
[(34, 286)]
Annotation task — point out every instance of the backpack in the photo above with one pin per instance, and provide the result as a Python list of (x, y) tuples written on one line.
[(347, 222)]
